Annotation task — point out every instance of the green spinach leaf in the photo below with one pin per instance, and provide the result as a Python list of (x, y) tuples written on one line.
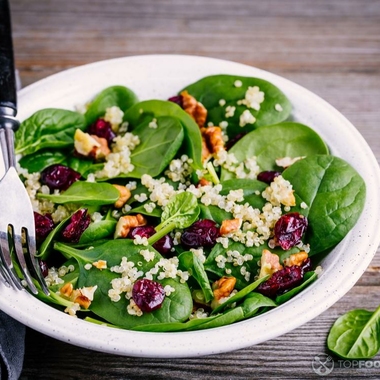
[(334, 194), (287, 139), (157, 147), (190, 262), (356, 334), (88, 193), (36, 162), (212, 89), (119, 96), (147, 110), (48, 128), (181, 211)]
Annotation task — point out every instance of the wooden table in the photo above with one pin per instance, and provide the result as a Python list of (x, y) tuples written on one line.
[(331, 47)]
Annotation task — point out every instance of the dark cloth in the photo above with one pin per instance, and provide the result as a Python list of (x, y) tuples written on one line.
[(12, 347)]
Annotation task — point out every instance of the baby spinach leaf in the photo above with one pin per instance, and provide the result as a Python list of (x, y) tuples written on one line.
[(176, 307), (47, 245), (356, 334), (309, 277), (212, 89), (188, 261), (36, 162), (82, 165), (211, 265), (147, 110), (48, 128), (181, 211), (157, 147), (88, 193), (240, 295), (271, 142), (335, 195), (249, 186), (214, 213), (98, 230), (228, 317), (255, 301), (119, 96)]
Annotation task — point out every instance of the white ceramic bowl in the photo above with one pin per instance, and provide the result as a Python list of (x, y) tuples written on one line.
[(161, 76)]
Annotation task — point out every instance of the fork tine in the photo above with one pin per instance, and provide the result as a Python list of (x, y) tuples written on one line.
[(17, 244), (33, 261), (6, 259)]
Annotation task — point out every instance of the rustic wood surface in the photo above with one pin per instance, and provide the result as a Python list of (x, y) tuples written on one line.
[(331, 47)]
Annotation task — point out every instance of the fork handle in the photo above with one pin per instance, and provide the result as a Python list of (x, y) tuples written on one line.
[(8, 97)]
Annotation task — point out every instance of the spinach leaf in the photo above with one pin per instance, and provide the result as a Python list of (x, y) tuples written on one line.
[(254, 302), (176, 307), (309, 277), (188, 261), (47, 245), (147, 110), (210, 90), (48, 128), (240, 295), (157, 147), (271, 142), (211, 264), (214, 213), (334, 193), (99, 230), (119, 96), (181, 211), (88, 193), (81, 165), (36, 162), (356, 334)]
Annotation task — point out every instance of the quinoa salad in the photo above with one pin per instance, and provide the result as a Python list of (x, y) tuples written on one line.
[(187, 213)]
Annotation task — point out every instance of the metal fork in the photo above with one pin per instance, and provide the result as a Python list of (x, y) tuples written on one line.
[(17, 229)]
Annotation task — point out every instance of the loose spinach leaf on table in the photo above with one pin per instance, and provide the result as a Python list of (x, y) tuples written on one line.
[(271, 142), (48, 128), (119, 96), (210, 90), (175, 308), (334, 194), (147, 110), (356, 334), (87, 193)]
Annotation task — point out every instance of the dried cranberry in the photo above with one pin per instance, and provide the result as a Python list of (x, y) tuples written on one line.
[(164, 245), (234, 140), (178, 99), (148, 295), (268, 176), (289, 229), (44, 225), (44, 268), (79, 221), (102, 128), (59, 177), (202, 233), (281, 281)]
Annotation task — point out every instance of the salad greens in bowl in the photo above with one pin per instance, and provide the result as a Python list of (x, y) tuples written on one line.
[(184, 205)]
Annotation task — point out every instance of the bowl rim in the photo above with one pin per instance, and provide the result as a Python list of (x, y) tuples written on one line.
[(342, 272)]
